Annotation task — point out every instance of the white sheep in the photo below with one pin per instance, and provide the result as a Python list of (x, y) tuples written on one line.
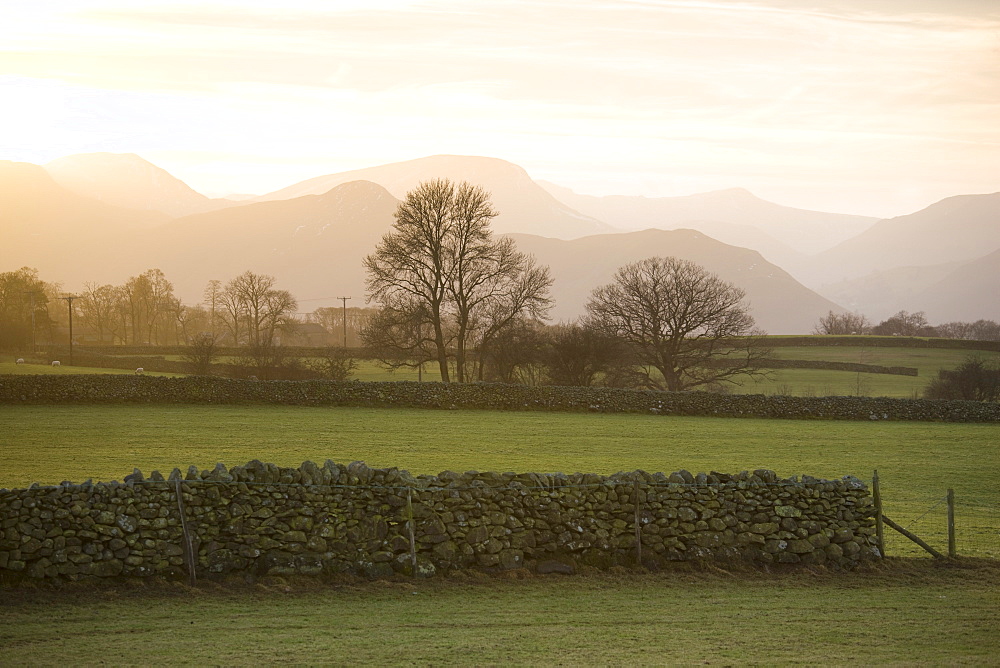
[(139, 371), (20, 360), (55, 363)]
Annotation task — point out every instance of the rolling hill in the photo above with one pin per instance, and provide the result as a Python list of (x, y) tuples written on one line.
[(524, 205), (779, 303), (67, 237), (968, 293), (313, 240), (126, 180), (956, 229), (734, 216), (314, 245)]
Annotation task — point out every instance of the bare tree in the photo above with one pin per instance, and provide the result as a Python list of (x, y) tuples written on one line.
[(201, 352), (688, 324), (401, 337), (441, 277), (97, 310), (255, 310), (577, 354), (332, 319), (23, 307), (212, 299), (843, 323), (980, 330), (905, 324), (975, 379)]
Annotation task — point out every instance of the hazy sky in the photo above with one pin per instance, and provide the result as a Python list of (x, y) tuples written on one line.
[(865, 106)]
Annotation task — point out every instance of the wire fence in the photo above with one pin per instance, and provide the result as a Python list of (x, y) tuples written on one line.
[(976, 525)]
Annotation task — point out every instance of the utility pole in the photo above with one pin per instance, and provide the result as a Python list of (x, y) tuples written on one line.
[(344, 300), (31, 295), (69, 302)]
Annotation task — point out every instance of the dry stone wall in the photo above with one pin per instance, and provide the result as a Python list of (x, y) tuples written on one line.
[(200, 390), (261, 519)]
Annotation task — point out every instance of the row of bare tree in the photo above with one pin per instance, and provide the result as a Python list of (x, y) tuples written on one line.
[(904, 323), (248, 310)]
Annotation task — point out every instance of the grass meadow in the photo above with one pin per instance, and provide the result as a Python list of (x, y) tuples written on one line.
[(917, 461), (915, 613), (65, 369), (906, 610)]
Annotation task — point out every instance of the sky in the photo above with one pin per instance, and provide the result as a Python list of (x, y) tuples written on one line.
[(877, 107)]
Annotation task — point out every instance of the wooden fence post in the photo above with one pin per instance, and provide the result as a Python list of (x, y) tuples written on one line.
[(187, 546), (638, 530), (879, 529), (412, 532), (952, 547)]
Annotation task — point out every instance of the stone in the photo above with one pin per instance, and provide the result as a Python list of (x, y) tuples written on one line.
[(511, 559), (787, 511), (477, 535), (554, 566), (764, 528), (800, 546), (842, 535)]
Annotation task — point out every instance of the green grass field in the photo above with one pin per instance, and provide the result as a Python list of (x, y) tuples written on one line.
[(795, 382), (917, 462), (907, 614), (66, 369), (898, 612)]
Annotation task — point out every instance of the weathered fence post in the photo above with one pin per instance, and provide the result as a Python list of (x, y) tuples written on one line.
[(952, 548), (879, 529), (412, 532), (638, 530), (187, 546)]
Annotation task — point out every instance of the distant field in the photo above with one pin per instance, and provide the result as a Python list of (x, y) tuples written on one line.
[(917, 461), (66, 369), (795, 382), (799, 382), (908, 614)]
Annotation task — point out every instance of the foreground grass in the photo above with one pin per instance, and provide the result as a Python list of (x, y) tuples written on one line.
[(917, 461), (904, 614)]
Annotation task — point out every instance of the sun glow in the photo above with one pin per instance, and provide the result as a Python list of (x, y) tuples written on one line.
[(843, 106)]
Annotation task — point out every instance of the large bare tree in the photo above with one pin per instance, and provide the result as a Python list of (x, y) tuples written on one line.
[(441, 277), (843, 323), (255, 309), (688, 324)]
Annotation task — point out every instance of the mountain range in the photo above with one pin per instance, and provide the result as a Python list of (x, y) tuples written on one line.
[(104, 217)]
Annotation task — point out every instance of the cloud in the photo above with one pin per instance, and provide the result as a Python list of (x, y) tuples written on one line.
[(742, 92)]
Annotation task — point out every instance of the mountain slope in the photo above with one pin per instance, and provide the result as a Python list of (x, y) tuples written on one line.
[(524, 206), (880, 294), (126, 180), (314, 245), (62, 234), (774, 230), (968, 293), (959, 228), (779, 303)]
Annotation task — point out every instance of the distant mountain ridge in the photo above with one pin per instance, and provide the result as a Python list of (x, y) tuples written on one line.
[(524, 206), (944, 260), (126, 180), (733, 216), (958, 228)]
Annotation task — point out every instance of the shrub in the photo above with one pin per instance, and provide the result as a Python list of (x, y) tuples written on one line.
[(973, 380)]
